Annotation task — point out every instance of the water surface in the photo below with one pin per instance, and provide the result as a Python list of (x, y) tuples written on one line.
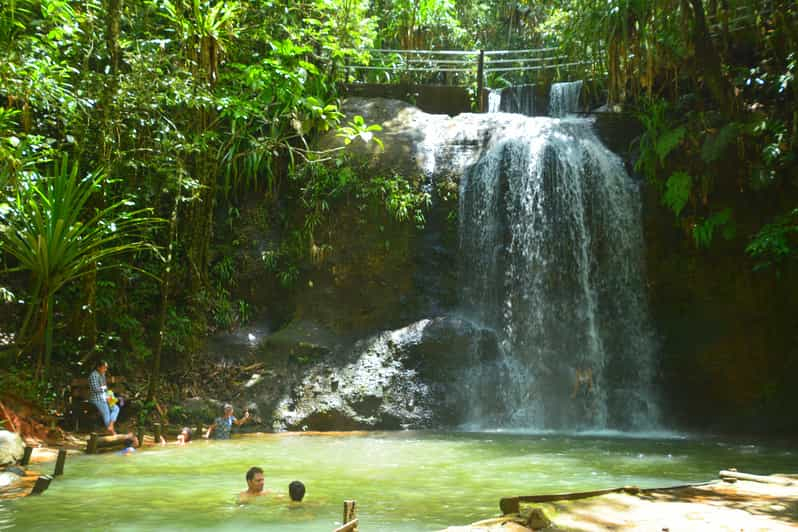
[(402, 481)]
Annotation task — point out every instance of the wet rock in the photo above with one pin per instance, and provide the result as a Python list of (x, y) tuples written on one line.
[(405, 378), (537, 519), (11, 447), (8, 479)]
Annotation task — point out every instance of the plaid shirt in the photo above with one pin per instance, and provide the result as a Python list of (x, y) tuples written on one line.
[(97, 386)]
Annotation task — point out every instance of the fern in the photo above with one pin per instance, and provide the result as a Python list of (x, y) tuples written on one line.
[(677, 191), (703, 232), (715, 145), (669, 140), (776, 242)]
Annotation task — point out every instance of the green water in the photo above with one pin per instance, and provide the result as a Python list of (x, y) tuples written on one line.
[(402, 481)]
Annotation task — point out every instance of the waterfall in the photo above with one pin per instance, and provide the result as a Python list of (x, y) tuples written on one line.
[(516, 99), (494, 100), (552, 252), (564, 98), (550, 274)]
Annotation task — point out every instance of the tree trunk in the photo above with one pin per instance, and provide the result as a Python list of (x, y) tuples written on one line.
[(155, 374), (708, 60)]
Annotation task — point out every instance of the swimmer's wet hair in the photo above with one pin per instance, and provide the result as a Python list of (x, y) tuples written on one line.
[(252, 472), (296, 490)]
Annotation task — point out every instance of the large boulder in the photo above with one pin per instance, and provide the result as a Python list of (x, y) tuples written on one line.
[(11, 447), (404, 378)]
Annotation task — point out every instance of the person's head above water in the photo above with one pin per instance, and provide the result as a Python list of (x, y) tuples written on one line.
[(255, 480), (228, 409), (296, 490), (185, 435)]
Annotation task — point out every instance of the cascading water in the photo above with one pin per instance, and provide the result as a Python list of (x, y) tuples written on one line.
[(552, 260), (551, 283), (516, 99), (564, 98)]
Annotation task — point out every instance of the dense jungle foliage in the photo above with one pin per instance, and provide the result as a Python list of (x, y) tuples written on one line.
[(131, 133)]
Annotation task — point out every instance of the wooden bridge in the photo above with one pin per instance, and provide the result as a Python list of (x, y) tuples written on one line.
[(432, 71), (450, 80)]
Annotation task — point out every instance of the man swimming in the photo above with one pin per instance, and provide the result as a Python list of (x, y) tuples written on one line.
[(255, 482)]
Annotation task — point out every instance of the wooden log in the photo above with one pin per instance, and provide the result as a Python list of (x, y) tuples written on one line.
[(26, 456), (351, 526), (512, 505), (59, 462), (42, 483), (111, 442), (91, 447), (734, 476), (112, 439)]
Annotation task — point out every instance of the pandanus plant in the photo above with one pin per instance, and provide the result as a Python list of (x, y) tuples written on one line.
[(53, 234)]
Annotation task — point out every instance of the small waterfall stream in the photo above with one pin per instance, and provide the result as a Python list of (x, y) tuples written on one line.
[(516, 99), (564, 98)]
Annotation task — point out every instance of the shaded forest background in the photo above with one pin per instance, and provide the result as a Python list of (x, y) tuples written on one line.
[(134, 134)]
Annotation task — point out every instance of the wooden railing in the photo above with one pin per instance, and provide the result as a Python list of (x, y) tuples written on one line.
[(461, 67)]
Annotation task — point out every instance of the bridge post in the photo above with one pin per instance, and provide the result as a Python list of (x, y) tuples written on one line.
[(481, 81)]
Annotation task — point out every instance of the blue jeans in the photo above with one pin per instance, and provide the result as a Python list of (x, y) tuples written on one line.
[(109, 414)]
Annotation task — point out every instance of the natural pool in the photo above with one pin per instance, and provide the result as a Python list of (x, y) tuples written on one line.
[(402, 481)]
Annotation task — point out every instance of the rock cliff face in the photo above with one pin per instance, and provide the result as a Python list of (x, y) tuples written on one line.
[(729, 333)]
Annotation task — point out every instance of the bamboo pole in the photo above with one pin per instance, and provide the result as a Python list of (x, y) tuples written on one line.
[(91, 447), (26, 456), (481, 81), (42, 483), (59, 463)]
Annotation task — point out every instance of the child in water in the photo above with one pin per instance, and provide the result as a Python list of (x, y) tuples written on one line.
[(131, 442), (182, 439)]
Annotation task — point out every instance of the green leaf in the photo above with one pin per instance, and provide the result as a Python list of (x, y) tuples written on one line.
[(703, 232), (668, 141), (677, 191)]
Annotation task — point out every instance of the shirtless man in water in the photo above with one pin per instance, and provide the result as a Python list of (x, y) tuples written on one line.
[(254, 489)]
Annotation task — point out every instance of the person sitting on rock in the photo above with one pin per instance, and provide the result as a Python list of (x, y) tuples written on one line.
[(223, 425), (255, 482), (99, 397)]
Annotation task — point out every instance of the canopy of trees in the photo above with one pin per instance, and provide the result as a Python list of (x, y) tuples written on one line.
[(131, 130)]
